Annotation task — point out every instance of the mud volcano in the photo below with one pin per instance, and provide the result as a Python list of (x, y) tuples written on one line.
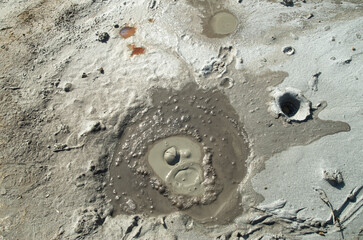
[(186, 153)]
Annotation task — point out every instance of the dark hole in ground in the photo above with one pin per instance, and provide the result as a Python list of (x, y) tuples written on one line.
[(289, 104)]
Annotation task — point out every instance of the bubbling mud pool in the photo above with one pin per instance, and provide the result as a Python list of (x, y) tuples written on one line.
[(185, 153)]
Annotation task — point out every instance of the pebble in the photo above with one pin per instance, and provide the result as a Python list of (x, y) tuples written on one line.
[(68, 87)]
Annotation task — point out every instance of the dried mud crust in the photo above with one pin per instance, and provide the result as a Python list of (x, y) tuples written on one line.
[(208, 119)]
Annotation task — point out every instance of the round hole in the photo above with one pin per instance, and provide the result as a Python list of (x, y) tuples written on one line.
[(288, 50), (289, 105), (226, 82)]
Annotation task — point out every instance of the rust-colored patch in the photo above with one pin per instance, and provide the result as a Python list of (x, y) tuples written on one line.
[(136, 50), (127, 32), (151, 20)]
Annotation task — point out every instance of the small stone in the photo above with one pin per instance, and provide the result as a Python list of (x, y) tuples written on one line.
[(347, 61), (68, 87), (288, 3), (2, 191), (333, 176), (101, 70), (84, 75), (131, 204)]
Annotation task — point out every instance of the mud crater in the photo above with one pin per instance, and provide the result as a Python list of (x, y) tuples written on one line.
[(186, 153)]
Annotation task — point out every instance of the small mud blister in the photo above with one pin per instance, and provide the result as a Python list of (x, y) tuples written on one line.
[(185, 153)]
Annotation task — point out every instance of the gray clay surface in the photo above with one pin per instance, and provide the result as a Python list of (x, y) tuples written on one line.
[(181, 119)]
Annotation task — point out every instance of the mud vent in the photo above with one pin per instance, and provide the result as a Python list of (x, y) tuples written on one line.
[(186, 153), (289, 104)]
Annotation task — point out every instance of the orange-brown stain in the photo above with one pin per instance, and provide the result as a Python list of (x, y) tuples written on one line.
[(136, 50), (127, 32), (151, 20)]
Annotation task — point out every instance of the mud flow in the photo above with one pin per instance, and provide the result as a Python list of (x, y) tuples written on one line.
[(186, 153)]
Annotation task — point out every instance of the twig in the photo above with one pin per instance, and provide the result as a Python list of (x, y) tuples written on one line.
[(5, 28), (325, 199), (66, 148), (12, 88), (352, 211), (350, 198)]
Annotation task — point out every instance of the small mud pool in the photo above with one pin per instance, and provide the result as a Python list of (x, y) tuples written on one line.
[(221, 24), (186, 153), (217, 21)]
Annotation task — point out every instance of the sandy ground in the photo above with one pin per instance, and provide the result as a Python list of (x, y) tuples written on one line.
[(69, 91)]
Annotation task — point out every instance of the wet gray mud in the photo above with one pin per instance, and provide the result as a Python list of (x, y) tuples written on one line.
[(190, 135), (272, 134), (189, 151)]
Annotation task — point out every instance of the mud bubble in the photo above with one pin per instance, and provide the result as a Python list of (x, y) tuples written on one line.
[(177, 162), (186, 153)]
